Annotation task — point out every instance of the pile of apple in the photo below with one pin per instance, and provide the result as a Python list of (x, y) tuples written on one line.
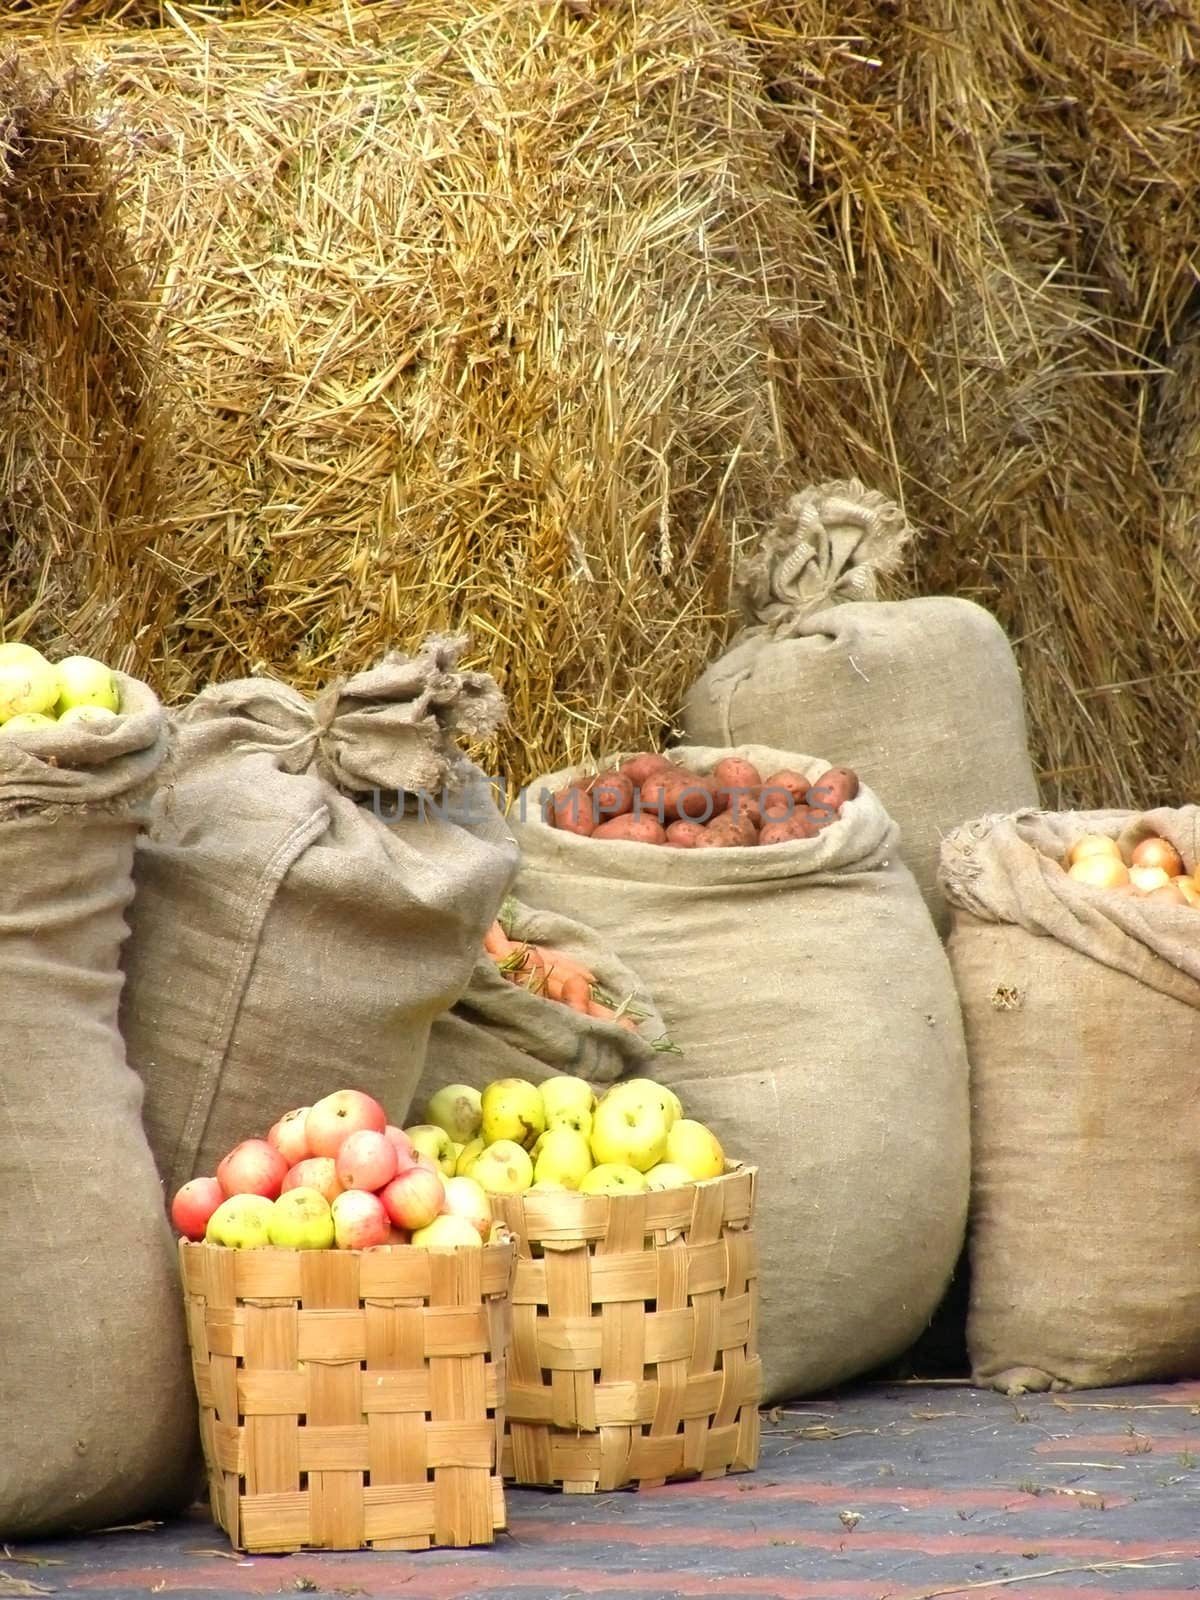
[(333, 1175), (515, 1136), (1152, 870), (36, 693)]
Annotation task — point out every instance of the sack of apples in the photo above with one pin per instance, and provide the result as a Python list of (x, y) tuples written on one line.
[(348, 1315), (634, 1356)]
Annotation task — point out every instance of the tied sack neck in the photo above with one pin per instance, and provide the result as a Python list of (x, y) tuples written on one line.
[(828, 545), (396, 726)]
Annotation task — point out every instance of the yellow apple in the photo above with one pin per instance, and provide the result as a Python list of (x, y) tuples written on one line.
[(565, 1098), (84, 681), (435, 1143), (456, 1108), (547, 1187), (563, 1157), (666, 1175), (695, 1148), (86, 714), (611, 1177), (26, 720), (301, 1219), (466, 1155), (27, 682), (502, 1168), (242, 1222), (647, 1089), (629, 1131), (447, 1232), (512, 1110)]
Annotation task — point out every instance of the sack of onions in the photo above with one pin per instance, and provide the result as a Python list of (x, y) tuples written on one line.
[(1075, 949)]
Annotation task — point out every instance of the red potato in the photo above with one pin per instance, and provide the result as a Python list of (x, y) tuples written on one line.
[(727, 833), (638, 768), (632, 829), (776, 804), (731, 772), (789, 829), (573, 811), (794, 783), (678, 795), (612, 794), (832, 789), (684, 835)]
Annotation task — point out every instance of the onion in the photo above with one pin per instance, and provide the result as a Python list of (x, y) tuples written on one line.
[(1101, 870), (1170, 893), (1146, 879), (1157, 853), (1093, 844), (1188, 888)]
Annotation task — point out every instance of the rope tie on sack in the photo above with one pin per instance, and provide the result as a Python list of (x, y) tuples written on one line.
[(828, 545)]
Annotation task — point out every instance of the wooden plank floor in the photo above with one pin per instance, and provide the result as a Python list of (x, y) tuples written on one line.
[(903, 1491)]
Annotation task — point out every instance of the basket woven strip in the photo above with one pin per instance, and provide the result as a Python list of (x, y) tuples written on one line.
[(351, 1399), (633, 1356)]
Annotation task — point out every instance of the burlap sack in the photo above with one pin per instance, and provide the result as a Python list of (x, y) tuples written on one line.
[(922, 697), (97, 1411), (500, 1030), (813, 1005), (287, 939), (1082, 1016)]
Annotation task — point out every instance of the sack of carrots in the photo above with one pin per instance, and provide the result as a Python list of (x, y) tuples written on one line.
[(547, 996)]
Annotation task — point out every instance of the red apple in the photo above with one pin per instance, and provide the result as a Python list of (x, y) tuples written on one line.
[(317, 1172), (288, 1136), (466, 1198), (359, 1220), (252, 1167), (415, 1197), (366, 1160), (406, 1150), (398, 1236), (334, 1118), (194, 1204)]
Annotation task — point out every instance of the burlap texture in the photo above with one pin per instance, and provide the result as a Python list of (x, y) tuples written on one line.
[(922, 697), (1082, 1016), (501, 1030), (97, 1410), (296, 929), (813, 1006)]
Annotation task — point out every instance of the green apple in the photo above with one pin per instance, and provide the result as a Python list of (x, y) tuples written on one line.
[(86, 714), (695, 1148), (466, 1155), (456, 1108), (612, 1177), (301, 1219), (565, 1095), (435, 1143), (243, 1222), (666, 1175), (631, 1132), (502, 1168), (86, 682), (447, 1232), (646, 1088), (27, 682), (26, 720), (563, 1157), (512, 1109)]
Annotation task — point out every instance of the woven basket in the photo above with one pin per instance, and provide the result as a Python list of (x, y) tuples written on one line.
[(351, 1399), (633, 1358)]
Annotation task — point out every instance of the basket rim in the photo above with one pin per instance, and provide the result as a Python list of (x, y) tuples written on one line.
[(282, 1250)]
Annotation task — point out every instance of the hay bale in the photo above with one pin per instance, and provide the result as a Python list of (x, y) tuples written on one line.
[(471, 311), (81, 438), (1011, 213)]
